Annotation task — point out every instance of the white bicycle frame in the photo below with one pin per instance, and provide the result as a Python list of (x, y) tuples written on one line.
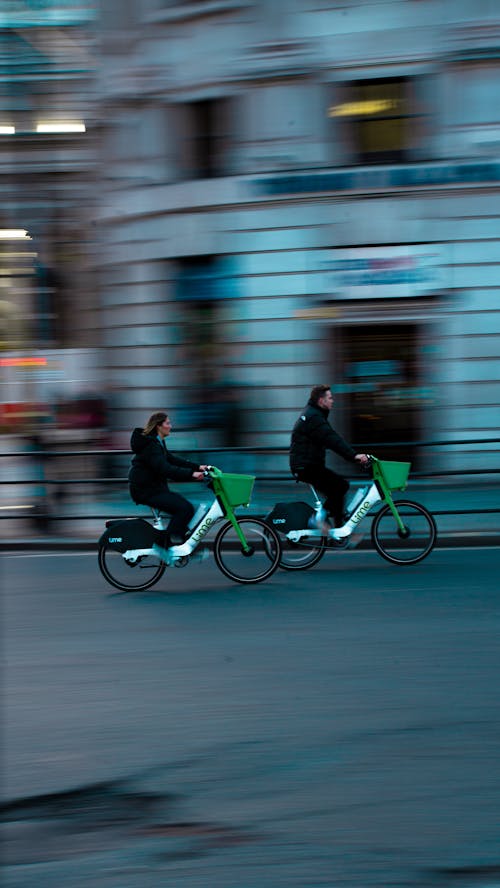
[(203, 520), (339, 533)]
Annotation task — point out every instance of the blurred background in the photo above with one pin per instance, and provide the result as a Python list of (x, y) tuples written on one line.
[(210, 206)]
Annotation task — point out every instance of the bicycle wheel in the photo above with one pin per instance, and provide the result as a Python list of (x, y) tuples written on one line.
[(412, 545), (128, 577), (301, 556), (247, 567)]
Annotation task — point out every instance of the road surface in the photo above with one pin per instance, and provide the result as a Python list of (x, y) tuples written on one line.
[(338, 727)]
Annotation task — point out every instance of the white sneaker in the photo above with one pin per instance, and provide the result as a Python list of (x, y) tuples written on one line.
[(165, 554), (346, 542), (319, 521)]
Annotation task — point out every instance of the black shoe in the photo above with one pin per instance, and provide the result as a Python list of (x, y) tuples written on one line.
[(178, 539), (342, 543)]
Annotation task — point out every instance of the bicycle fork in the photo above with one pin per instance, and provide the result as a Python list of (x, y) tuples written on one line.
[(246, 548), (402, 530)]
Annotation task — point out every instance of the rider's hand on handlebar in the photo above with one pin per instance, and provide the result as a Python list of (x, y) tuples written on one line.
[(363, 458), (198, 476)]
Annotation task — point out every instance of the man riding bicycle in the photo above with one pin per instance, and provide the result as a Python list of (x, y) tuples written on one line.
[(312, 436)]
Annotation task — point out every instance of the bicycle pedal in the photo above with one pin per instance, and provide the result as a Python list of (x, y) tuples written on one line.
[(321, 527), (166, 555), (342, 543), (348, 542)]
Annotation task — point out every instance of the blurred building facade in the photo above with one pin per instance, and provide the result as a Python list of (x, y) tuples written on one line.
[(48, 152), (301, 191)]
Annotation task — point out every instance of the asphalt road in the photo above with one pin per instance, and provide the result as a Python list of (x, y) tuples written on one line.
[(338, 727)]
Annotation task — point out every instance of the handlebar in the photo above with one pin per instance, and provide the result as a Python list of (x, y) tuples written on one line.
[(211, 472)]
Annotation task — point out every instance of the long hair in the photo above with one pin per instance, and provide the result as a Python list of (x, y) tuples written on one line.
[(154, 420)]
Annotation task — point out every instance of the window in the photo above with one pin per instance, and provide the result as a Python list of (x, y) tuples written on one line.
[(474, 100), (381, 372), (470, 116), (374, 119), (205, 138), (200, 292)]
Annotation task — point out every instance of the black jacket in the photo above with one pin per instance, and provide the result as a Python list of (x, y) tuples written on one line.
[(312, 436), (153, 466)]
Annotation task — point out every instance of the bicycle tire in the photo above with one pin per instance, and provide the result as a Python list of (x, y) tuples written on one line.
[(392, 545), (242, 567), (302, 555), (116, 571)]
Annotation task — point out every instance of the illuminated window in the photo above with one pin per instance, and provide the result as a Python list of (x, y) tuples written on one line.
[(374, 118)]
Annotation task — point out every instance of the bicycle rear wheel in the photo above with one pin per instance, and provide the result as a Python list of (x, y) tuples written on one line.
[(259, 563), (302, 555), (406, 547), (126, 576)]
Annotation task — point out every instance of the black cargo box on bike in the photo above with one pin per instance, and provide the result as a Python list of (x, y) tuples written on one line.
[(289, 516), (130, 533)]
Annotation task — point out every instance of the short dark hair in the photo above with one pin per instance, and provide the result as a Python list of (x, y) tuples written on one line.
[(317, 392)]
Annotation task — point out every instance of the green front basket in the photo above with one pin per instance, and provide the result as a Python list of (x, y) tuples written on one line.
[(393, 474), (237, 489)]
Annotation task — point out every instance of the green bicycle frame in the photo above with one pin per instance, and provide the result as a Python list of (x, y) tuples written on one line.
[(227, 509), (385, 490)]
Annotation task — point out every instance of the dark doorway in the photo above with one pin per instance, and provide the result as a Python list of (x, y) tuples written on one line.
[(381, 378)]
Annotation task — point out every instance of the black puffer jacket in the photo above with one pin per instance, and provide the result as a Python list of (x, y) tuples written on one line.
[(153, 466), (312, 436)]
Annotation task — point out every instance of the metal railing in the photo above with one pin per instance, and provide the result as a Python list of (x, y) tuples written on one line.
[(43, 459)]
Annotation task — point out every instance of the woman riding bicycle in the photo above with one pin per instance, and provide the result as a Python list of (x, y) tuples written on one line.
[(153, 466)]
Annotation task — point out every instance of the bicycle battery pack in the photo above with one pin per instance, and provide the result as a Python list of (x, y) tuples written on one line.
[(289, 516), (130, 533)]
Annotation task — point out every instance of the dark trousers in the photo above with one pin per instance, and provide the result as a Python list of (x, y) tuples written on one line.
[(333, 486), (175, 505)]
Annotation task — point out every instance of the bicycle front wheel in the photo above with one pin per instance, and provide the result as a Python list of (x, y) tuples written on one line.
[(254, 565), (406, 547), (302, 555), (128, 576)]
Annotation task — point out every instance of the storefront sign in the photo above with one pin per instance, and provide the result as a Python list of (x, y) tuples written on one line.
[(384, 272)]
